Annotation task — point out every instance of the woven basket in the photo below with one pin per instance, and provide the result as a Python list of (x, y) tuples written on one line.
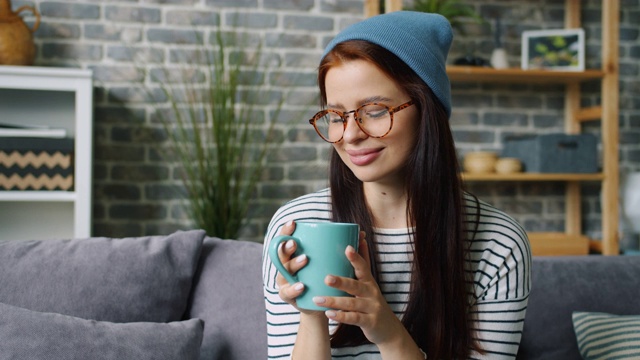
[(36, 164)]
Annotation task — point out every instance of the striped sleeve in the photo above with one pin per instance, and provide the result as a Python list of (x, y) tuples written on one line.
[(500, 261), (282, 318)]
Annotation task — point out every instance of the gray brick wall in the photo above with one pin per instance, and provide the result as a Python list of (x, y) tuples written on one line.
[(138, 192)]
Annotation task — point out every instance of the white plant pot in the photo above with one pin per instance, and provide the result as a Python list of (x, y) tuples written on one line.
[(499, 59)]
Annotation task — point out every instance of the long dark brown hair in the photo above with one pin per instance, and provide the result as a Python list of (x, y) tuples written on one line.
[(438, 311)]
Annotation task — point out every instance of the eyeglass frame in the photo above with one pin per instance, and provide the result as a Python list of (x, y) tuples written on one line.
[(345, 118)]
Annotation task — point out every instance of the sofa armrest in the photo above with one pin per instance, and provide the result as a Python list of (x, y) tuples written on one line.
[(228, 296)]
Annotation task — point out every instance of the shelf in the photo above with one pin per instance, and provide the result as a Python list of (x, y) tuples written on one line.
[(35, 196), (31, 78), (532, 177), (558, 244), (516, 75)]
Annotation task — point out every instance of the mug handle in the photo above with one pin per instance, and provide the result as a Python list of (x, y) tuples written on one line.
[(273, 253)]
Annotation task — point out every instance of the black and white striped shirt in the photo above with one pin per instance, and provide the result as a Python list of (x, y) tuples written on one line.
[(500, 260)]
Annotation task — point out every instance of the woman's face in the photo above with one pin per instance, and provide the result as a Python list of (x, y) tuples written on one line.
[(380, 160)]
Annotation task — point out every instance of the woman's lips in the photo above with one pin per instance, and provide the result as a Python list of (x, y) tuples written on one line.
[(363, 157)]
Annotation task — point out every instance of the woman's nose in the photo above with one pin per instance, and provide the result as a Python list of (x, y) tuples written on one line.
[(352, 132)]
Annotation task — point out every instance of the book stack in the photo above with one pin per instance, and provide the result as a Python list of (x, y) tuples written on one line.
[(31, 131), (35, 158)]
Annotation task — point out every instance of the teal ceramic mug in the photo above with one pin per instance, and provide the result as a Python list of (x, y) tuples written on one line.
[(324, 244)]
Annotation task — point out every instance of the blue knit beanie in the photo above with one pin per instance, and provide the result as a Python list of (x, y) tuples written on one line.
[(421, 40)]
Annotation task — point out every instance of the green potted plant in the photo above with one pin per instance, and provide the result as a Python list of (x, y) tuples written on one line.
[(453, 10), (208, 114)]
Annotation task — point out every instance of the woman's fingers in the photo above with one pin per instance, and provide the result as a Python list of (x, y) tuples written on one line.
[(360, 261), (357, 288), (367, 309), (288, 228), (287, 249), (289, 293), (348, 317), (363, 248), (291, 263)]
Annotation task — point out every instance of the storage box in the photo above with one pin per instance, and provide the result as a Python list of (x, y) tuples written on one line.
[(554, 153), (36, 164)]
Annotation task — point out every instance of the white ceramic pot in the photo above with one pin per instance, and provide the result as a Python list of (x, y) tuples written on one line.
[(499, 59)]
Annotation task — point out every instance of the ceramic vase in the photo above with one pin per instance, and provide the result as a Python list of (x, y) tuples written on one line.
[(16, 38)]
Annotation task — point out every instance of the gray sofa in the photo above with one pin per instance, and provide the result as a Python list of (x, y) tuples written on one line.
[(182, 296), (187, 296)]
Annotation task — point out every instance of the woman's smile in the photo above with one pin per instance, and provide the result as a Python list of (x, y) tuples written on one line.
[(365, 156)]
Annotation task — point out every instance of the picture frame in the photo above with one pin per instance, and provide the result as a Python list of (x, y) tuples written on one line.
[(561, 49)]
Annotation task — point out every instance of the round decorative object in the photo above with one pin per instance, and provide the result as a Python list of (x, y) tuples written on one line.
[(480, 162), (16, 40), (508, 166), (499, 59)]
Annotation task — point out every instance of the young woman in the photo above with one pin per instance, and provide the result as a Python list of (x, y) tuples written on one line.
[(439, 274)]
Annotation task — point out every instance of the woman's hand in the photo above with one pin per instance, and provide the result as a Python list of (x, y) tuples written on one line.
[(289, 292), (312, 340), (368, 309)]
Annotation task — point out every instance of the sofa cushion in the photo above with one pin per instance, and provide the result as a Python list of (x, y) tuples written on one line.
[(35, 335), (562, 285), (117, 280), (603, 336), (228, 297)]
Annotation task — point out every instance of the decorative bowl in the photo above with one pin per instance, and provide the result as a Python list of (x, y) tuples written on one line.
[(480, 162), (508, 165)]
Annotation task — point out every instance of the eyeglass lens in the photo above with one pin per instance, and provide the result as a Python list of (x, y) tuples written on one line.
[(373, 119)]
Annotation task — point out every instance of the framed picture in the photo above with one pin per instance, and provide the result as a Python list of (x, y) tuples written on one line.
[(553, 49)]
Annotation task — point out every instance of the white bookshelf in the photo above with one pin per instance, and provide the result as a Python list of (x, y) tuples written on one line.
[(57, 97)]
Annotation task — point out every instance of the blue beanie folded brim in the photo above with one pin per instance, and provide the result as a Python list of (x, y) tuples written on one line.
[(421, 40)]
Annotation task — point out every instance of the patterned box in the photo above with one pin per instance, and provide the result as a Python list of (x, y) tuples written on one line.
[(554, 153), (36, 164)]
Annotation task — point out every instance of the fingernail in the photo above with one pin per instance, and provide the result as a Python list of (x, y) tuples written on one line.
[(350, 249), (301, 258), (331, 279), (330, 314), (298, 286), (289, 244), (319, 300), (289, 223)]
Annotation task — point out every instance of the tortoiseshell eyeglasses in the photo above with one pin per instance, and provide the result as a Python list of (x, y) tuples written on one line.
[(374, 119)]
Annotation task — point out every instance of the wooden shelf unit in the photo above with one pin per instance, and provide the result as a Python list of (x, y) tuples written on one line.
[(571, 241)]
